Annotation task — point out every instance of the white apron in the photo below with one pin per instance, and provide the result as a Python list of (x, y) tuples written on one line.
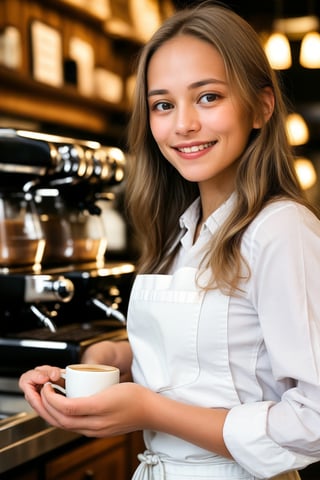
[(165, 328)]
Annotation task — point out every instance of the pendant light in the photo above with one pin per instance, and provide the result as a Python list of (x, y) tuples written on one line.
[(277, 47), (310, 45), (297, 130), (310, 50), (278, 51), (306, 172)]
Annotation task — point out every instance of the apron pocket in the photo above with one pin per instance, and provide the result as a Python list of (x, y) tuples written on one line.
[(165, 353)]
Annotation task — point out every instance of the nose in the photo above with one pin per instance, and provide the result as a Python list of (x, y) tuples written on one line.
[(187, 120)]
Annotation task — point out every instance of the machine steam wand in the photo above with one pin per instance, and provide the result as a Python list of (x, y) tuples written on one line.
[(109, 311)]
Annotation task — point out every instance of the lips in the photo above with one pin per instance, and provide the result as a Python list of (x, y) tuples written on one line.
[(196, 148)]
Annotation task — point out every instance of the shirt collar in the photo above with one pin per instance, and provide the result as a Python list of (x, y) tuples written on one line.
[(190, 217)]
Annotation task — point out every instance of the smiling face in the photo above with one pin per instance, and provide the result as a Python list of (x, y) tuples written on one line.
[(195, 118)]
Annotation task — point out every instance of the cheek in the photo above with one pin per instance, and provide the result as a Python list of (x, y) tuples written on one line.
[(158, 130), (159, 139)]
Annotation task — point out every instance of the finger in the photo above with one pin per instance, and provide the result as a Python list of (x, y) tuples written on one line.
[(64, 412), (87, 416), (35, 401), (74, 414), (76, 407), (52, 373), (32, 377), (60, 406), (39, 376)]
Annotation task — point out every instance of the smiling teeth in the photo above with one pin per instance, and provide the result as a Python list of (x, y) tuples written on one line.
[(195, 148)]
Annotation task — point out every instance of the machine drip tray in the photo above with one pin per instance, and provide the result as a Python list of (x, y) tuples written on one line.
[(70, 333), (25, 350)]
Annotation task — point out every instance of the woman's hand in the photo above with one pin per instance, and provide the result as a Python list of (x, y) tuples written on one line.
[(117, 410), (32, 382)]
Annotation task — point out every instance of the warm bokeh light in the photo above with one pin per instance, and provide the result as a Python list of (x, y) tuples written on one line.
[(306, 173), (297, 130), (310, 50), (278, 51)]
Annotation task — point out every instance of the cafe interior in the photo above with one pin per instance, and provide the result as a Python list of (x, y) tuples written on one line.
[(66, 249)]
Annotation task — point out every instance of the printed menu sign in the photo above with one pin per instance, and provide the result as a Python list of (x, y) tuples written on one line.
[(47, 63)]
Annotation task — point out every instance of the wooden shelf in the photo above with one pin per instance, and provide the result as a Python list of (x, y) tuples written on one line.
[(22, 96), (84, 13), (105, 26)]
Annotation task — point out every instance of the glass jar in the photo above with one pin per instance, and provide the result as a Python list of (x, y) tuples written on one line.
[(71, 235), (21, 236)]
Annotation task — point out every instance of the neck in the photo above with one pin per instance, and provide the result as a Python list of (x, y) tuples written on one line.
[(215, 191), (209, 205)]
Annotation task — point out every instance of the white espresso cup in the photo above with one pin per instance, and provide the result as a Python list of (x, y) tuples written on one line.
[(83, 379)]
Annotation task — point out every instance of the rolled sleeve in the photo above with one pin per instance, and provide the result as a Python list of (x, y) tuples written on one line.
[(246, 437)]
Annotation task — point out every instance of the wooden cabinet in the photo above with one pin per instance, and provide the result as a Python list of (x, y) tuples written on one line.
[(85, 459), (26, 473), (97, 460)]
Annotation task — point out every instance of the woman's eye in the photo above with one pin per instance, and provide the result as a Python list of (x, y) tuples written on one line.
[(162, 106), (209, 98)]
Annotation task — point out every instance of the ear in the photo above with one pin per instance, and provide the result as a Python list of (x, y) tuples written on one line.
[(267, 106)]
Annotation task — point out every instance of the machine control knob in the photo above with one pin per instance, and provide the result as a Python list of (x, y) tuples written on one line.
[(63, 288), (46, 288)]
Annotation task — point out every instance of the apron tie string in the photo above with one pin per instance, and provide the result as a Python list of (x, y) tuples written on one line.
[(145, 469)]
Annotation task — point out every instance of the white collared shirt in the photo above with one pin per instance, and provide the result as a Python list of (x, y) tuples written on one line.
[(273, 335)]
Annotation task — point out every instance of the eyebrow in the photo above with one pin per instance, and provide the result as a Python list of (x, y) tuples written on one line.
[(193, 85)]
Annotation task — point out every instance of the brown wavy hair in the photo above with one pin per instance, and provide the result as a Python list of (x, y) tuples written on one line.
[(157, 194)]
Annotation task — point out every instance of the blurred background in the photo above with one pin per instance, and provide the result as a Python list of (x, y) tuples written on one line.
[(67, 66), (67, 252)]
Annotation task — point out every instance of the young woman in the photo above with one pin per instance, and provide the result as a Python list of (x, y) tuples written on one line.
[(223, 321)]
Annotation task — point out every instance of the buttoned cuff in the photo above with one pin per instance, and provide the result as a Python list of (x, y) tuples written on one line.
[(246, 437)]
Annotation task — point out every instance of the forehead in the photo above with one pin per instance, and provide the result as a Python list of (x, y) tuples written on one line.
[(185, 58)]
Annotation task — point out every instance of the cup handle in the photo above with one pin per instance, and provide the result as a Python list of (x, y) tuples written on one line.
[(58, 387)]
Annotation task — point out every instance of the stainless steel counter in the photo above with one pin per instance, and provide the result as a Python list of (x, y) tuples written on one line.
[(24, 435)]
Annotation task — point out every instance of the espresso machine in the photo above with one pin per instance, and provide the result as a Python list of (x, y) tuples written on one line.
[(60, 290)]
